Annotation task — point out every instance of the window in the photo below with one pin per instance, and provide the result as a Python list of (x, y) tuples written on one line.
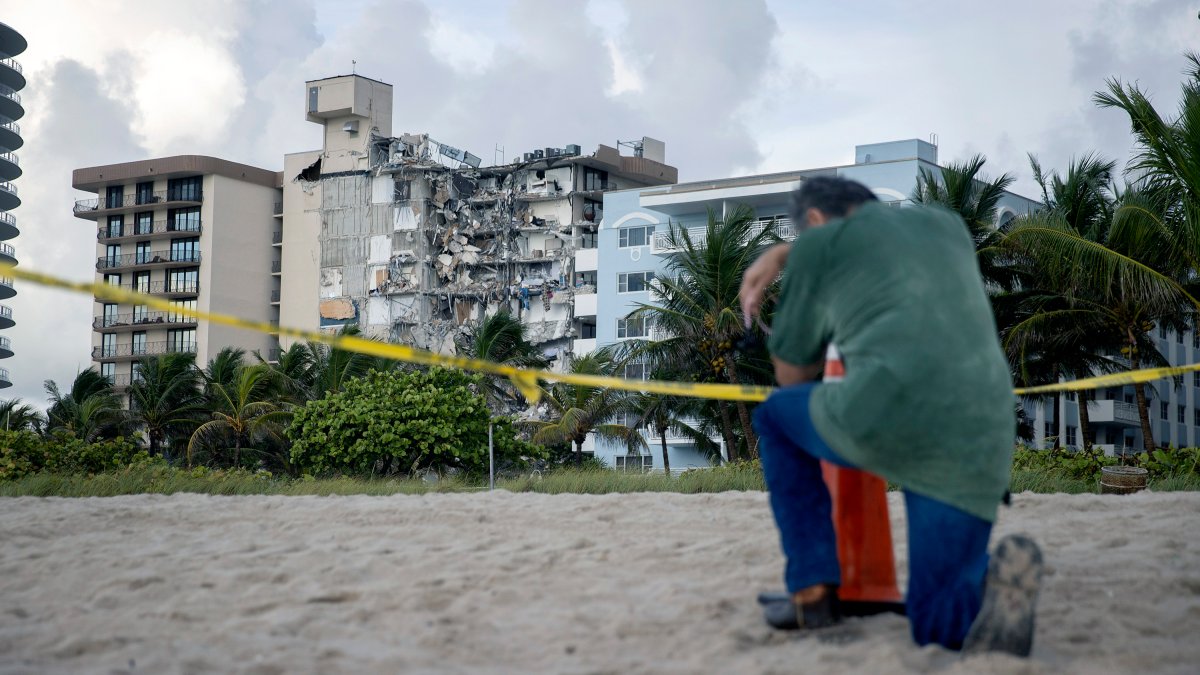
[(112, 255), (634, 282), (1181, 414), (145, 192), (142, 255), (1129, 398), (640, 463), (141, 282), (1070, 435), (135, 372), (593, 210), (637, 371), (1196, 379), (116, 226), (184, 220), (635, 236), (594, 179), (183, 281), (589, 279), (176, 317), (1112, 394), (181, 340), (1162, 332), (588, 240), (109, 315), (184, 189), (143, 223), (108, 345), (1196, 417), (112, 279), (114, 197), (1070, 396), (185, 250), (632, 328), (587, 330), (1163, 409), (140, 314), (108, 371), (1048, 430), (1179, 336), (139, 343), (1196, 337)]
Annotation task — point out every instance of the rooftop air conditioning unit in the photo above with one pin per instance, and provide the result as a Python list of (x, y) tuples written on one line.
[(572, 150), (351, 126), (553, 152), (537, 154), (529, 157)]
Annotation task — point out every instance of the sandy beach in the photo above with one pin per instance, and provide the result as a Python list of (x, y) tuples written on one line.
[(500, 582)]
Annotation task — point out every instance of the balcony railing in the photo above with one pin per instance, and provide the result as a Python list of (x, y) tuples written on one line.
[(8, 250), (14, 64), (8, 187), (141, 230), (135, 199), (11, 157), (11, 126), (5, 312), (276, 266), (277, 237), (144, 349), (699, 235), (275, 296), (4, 377), (147, 258), (5, 344), (142, 319), (162, 287), (5, 281), (277, 209), (8, 218), (125, 380), (9, 93)]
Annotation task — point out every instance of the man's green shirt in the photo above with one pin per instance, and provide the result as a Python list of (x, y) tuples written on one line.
[(927, 399)]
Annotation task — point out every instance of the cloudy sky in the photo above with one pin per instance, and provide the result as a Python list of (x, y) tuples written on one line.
[(732, 87)]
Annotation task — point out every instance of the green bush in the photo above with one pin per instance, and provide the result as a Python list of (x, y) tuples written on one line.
[(23, 453), (396, 421)]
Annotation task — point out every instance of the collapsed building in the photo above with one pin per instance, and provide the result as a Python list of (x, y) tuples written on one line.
[(415, 242)]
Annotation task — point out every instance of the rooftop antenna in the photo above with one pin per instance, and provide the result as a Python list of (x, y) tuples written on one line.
[(498, 155), (353, 67), (636, 146), (933, 140)]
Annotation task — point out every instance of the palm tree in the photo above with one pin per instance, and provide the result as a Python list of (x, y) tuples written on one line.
[(90, 410), (18, 416), (661, 414), (500, 338), (242, 413), (333, 368), (294, 372), (576, 411), (166, 399), (700, 312)]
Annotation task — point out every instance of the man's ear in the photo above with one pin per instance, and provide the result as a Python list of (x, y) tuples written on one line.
[(816, 217)]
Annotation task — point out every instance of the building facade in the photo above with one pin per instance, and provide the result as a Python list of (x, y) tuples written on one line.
[(633, 246), (12, 80), (194, 230), (415, 242)]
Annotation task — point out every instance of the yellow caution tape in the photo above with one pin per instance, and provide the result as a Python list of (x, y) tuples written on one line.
[(526, 380)]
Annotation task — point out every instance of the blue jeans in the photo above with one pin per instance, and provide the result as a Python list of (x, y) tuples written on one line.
[(947, 547)]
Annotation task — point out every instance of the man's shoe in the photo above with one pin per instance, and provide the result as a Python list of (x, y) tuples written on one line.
[(1006, 618), (779, 605), (782, 612)]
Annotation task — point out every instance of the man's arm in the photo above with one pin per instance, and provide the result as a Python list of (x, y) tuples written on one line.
[(788, 374), (760, 275)]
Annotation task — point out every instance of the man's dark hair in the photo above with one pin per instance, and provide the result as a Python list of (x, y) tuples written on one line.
[(833, 196)]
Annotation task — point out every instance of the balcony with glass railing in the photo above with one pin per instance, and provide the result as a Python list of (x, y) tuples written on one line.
[(10, 93), (6, 317), (6, 288), (8, 254), (159, 229), (123, 381), (179, 197), (165, 288), (138, 350), (113, 323), (11, 73), (5, 379), (10, 166), (661, 243), (5, 347), (147, 259)]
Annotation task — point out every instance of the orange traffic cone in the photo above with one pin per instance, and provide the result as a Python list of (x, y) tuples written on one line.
[(861, 522)]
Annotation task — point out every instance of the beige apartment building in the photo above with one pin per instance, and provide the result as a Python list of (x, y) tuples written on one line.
[(197, 231)]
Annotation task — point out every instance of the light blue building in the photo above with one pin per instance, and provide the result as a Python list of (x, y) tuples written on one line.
[(631, 248)]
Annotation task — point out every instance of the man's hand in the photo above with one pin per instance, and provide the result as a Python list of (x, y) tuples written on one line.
[(760, 275)]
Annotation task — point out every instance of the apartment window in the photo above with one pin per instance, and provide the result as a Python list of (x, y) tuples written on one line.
[(181, 340), (139, 343), (594, 179), (1196, 337), (1196, 379), (185, 250), (634, 462), (634, 282), (1112, 394), (110, 315), (142, 255), (135, 372), (1179, 336), (585, 278), (1163, 410), (184, 189), (1070, 396), (593, 210), (112, 255), (587, 330), (1071, 435), (112, 279), (184, 220), (175, 317), (183, 281), (1129, 398), (1047, 430), (145, 192), (1181, 414), (143, 223), (632, 328), (635, 236), (1196, 417), (637, 371), (588, 240), (108, 345), (141, 282), (1162, 332), (114, 196), (108, 371), (116, 226), (141, 314)]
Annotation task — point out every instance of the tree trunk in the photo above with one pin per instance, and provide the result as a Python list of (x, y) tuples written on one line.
[(744, 414), (1085, 421), (662, 435), (727, 430), (1143, 408), (578, 454), (153, 443), (237, 451)]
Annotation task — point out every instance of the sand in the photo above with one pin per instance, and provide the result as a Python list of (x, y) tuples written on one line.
[(519, 583)]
